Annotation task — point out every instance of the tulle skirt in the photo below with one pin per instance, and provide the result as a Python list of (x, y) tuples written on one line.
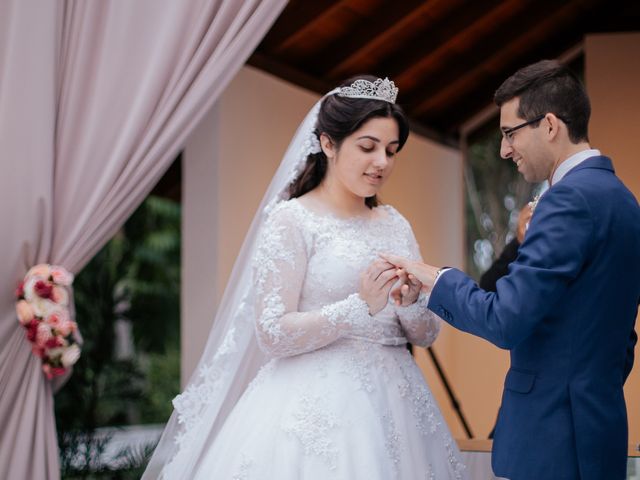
[(352, 410)]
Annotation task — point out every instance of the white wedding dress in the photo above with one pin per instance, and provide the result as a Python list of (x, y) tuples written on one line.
[(342, 398)]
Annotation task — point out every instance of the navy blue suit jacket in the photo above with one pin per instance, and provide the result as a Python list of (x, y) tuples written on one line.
[(566, 311)]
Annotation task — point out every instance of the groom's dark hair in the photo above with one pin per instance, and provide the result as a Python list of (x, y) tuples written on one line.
[(545, 87), (338, 118)]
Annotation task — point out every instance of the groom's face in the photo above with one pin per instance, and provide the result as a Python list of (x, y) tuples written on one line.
[(526, 146)]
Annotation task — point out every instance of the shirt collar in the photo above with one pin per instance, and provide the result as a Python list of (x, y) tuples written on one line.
[(572, 161)]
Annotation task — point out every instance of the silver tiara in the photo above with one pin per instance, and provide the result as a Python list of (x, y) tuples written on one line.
[(378, 90)]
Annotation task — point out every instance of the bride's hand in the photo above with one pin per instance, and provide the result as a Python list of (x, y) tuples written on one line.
[(408, 290), (375, 284)]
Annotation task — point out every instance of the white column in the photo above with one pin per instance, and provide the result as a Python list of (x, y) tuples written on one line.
[(200, 244)]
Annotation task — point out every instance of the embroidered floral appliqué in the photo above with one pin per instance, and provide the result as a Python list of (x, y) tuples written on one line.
[(312, 423)]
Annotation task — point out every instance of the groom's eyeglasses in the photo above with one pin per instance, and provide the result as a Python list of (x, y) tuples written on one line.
[(507, 133)]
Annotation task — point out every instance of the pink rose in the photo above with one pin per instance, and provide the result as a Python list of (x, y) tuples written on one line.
[(65, 328), (37, 351), (24, 312), (61, 276), (57, 317), (57, 371), (60, 296), (51, 372), (43, 334)]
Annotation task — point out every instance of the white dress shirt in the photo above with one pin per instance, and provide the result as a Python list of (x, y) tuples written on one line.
[(573, 161)]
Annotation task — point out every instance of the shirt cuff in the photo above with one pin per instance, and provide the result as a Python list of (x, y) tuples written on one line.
[(439, 274)]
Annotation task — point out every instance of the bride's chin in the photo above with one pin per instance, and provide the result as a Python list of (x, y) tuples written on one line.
[(369, 192)]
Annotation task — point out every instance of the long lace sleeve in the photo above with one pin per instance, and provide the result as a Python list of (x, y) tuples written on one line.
[(420, 324), (280, 267)]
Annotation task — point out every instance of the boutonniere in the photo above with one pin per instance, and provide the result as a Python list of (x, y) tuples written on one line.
[(532, 206), (534, 203)]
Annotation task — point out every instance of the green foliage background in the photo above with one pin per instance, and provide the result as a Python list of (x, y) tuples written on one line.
[(133, 280), (495, 194)]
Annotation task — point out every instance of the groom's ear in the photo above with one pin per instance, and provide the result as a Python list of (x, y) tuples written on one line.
[(328, 147)]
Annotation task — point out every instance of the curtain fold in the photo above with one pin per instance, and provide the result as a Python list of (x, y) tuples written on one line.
[(96, 100)]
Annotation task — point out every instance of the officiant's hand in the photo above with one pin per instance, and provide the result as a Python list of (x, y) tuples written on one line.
[(426, 274), (375, 284), (408, 289)]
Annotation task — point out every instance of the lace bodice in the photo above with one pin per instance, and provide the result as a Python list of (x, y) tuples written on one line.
[(307, 271)]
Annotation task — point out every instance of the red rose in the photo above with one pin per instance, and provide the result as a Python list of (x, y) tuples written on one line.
[(53, 342), (32, 330), (20, 290), (43, 289)]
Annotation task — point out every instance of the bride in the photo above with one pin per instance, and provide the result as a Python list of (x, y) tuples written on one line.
[(306, 374)]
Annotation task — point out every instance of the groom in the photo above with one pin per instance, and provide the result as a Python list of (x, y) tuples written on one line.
[(566, 309)]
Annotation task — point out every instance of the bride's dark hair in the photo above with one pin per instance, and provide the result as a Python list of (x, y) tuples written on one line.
[(338, 118)]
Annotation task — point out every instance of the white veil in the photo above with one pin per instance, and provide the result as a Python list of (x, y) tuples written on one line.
[(231, 358)]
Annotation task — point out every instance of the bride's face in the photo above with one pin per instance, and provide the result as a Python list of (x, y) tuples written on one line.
[(365, 159)]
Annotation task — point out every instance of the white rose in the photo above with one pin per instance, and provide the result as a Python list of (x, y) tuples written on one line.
[(61, 276), (28, 287), (70, 356), (43, 307), (55, 352), (40, 271)]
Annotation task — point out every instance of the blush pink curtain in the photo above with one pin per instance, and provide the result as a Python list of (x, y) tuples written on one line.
[(96, 99)]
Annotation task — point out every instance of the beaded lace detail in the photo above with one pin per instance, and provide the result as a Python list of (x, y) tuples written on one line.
[(307, 270), (312, 424)]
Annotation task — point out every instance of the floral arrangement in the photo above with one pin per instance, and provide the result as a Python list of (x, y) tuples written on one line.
[(43, 310)]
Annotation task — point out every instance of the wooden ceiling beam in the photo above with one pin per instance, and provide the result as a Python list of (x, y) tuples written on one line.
[(454, 59), (309, 40), (361, 56), (511, 52), (458, 114), (464, 32), (369, 36), (296, 18), (446, 56)]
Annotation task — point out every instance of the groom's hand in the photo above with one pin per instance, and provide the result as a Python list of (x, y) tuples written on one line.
[(426, 274)]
